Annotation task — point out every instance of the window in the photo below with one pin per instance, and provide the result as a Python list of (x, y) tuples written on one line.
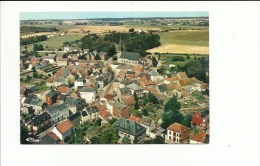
[(170, 137), (170, 132)]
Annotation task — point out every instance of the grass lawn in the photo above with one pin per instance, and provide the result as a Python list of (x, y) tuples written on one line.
[(55, 42), (42, 89), (192, 38)]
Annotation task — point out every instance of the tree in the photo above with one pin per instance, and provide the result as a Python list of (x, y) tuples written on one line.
[(25, 47), (136, 106), (23, 135), (59, 49), (154, 62), (98, 122), (27, 78), (145, 100), (66, 55), (35, 47), (135, 96), (33, 69), (172, 105), (94, 140), (107, 134), (152, 98), (188, 56), (40, 47), (145, 112), (35, 75), (131, 30), (159, 56)]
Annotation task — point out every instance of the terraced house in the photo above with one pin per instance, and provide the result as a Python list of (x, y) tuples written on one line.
[(57, 112)]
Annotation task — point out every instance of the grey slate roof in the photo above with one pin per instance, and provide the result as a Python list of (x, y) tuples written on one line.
[(130, 56), (56, 107), (162, 88), (60, 79), (92, 109), (134, 87), (72, 102), (153, 73), (87, 89), (65, 73), (84, 113), (52, 93), (125, 90), (39, 119), (119, 105), (129, 127)]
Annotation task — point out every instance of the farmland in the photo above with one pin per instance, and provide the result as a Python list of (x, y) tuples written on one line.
[(55, 42)]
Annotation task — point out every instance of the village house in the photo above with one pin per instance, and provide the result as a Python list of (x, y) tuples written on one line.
[(177, 133), (62, 62), (49, 137), (57, 112), (50, 58), (68, 48), (64, 129), (79, 82), (155, 76), (60, 98), (148, 124), (115, 85), (63, 89), (162, 89), (132, 130), (201, 120), (134, 88), (120, 110), (198, 138), (88, 94), (61, 80), (75, 105), (124, 93), (51, 97), (42, 121)]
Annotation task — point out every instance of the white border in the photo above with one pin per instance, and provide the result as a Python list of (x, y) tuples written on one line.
[(234, 83)]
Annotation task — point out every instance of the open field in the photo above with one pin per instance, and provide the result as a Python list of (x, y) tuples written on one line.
[(185, 37), (39, 34), (174, 48), (98, 29), (55, 42)]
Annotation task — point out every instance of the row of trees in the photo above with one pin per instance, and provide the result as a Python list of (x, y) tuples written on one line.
[(32, 39), (98, 44), (135, 42), (27, 29), (37, 47)]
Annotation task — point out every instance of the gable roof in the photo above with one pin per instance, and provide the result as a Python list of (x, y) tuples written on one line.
[(182, 75), (56, 107), (125, 90), (92, 109), (72, 101), (130, 56), (199, 137), (162, 88), (129, 127), (135, 119), (50, 138), (177, 127), (87, 89), (134, 87), (39, 119), (52, 93), (153, 73), (65, 126), (119, 105)]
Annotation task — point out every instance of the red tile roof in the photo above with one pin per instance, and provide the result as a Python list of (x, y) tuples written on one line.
[(53, 136), (135, 119), (177, 127), (109, 97), (200, 137), (65, 126)]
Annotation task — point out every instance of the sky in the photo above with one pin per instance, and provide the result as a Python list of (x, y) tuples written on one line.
[(85, 15)]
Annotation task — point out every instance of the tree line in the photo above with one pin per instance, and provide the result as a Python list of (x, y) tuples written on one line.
[(27, 29), (32, 39), (135, 42), (98, 44)]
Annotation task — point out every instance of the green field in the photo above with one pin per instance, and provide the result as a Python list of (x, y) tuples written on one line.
[(55, 42), (192, 38)]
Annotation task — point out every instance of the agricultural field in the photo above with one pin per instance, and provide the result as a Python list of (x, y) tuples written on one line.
[(184, 41), (55, 42)]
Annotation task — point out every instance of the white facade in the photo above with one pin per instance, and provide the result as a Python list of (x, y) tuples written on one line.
[(68, 48), (59, 115), (88, 96), (170, 136), (78, 83)]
